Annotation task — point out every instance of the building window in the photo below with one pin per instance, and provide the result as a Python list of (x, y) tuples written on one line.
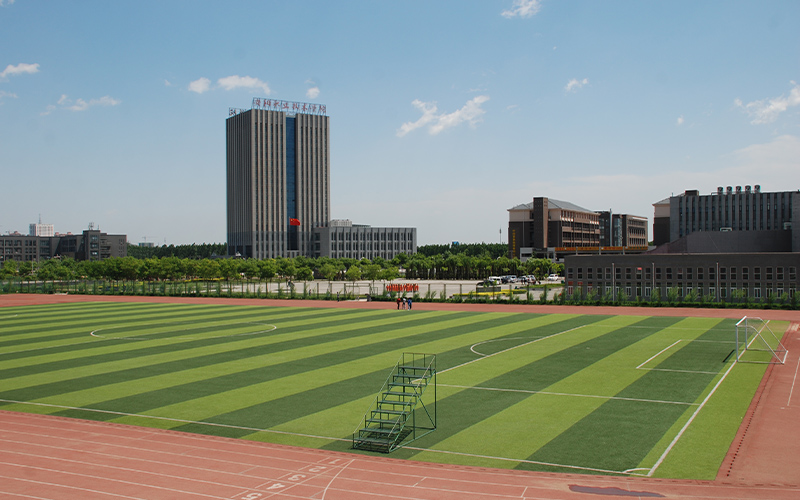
[(779, 273), (689, 273), (769, 273), (580, 273), (733, 273), (618, 273), (669, 273), (712, 273), (757, 291), (756, 273), (658, 273), (699, 273), (745, 273)]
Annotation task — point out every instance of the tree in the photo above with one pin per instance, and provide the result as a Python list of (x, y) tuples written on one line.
[(353, 273), (371, 271), (304, 273), (267, 269), (208, 269), (328, 271), (10, 269)]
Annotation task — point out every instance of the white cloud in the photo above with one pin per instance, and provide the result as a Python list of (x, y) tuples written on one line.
[(522, 8), (234, 82), (767, 110), (19, 69), (3, 94), (471, 113), (679, 122), (574, 85), (4, 3), (80, 104), (167, 83), (200, 85), (312, 93)]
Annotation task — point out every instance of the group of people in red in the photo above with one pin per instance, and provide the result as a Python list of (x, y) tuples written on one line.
[(405, 302)]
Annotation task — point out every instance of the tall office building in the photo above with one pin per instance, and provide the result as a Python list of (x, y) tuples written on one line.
[(278, 178)]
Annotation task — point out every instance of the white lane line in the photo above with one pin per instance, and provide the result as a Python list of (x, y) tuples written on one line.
[(794, 380)]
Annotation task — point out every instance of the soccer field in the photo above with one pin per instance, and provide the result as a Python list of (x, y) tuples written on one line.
[(636, 395)]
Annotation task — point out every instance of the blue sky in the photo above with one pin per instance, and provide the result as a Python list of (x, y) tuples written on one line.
[(444, 114)]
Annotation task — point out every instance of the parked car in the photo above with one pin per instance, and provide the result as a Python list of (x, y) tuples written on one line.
[(554, 277)]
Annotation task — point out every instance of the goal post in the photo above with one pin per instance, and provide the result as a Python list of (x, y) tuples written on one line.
[(757, 343)]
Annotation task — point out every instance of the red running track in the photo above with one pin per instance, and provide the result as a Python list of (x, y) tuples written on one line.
[(55, 458)]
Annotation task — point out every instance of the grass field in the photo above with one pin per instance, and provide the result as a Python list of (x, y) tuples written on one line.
[(567, 393)]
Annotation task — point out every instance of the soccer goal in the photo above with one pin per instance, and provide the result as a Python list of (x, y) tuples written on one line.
[(757, 343)]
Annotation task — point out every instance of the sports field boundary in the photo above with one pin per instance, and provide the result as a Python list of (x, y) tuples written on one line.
[(763, 461)]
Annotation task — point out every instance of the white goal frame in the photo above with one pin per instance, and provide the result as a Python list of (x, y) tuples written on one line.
[(750, 336)]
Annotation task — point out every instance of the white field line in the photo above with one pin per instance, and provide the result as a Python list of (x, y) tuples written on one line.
[(509, 349), (93, 333), (691, 419), (794, 380), (659, 354), (505, 459), (569, 395), (177, 420), (472, 348), (679, 371)]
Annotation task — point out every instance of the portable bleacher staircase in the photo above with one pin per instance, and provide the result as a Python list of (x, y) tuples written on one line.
[(399, 414)]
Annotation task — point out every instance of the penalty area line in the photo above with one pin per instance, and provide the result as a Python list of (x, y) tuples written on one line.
[(689, 422), (510, 349)]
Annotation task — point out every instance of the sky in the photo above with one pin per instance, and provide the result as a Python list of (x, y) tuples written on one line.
[(444, 114)]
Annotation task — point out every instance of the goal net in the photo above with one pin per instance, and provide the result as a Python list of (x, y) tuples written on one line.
[(757, 343)]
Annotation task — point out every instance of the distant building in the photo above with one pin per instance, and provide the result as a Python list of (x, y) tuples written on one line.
[(553, 228), (89, 245), (728, 209), (727, 245), (278, 189), (622, 230), (343, 239), (278, 178), (42, 230)]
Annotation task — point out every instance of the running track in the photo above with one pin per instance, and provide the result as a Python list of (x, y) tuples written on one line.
[(47, 457)]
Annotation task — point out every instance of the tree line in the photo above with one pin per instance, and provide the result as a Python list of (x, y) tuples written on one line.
[(433, 262)]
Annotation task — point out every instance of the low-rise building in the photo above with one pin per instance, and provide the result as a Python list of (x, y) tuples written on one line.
[(89, 245), (343, 239)]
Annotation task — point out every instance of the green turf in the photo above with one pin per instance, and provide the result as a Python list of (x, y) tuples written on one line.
[(564, 393)]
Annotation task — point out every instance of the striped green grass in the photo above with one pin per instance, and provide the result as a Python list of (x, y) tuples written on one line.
[(560, 392)]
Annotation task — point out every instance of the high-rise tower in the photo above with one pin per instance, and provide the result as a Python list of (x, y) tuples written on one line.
[(278, 178)]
